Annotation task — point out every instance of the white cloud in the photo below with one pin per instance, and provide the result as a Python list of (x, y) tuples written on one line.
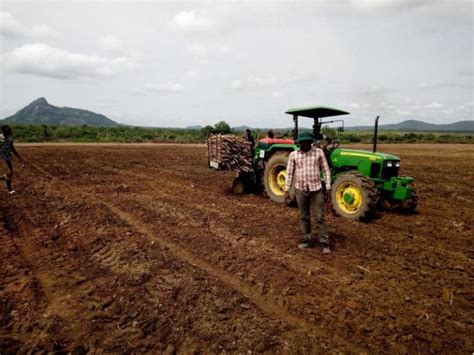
[(254, 82), (9, 26), (12, 28), (110, 43), (190, 74), (237, 85), (446, 84), (378, 4), (168, 87), (192, 20), (197, 48), (434, 105), (375, 90), (42, 60), (43, 31), (263, 81), (223, 49), (200, 49)]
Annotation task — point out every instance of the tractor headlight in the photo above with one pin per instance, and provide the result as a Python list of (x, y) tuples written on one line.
[(397, 164), (389, 164)]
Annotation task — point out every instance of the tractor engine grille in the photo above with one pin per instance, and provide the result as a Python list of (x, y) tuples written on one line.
[(389, 172), (375, 170)]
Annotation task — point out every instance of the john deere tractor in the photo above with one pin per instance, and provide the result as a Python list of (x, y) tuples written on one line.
[(361, 179)]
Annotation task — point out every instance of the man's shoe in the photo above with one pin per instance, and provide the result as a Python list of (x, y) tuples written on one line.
[(303, 245), (306, 244), (326, 250)]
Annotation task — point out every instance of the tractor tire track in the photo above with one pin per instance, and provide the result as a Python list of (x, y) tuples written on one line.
[(382, 307), (167, 176), (267, 304)]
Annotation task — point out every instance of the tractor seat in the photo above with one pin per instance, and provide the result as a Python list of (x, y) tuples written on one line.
[(276, 141)]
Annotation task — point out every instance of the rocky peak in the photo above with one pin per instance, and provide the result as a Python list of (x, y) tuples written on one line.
[(39, 101)]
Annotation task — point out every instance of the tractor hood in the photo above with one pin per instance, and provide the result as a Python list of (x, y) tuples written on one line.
[(354, 154)]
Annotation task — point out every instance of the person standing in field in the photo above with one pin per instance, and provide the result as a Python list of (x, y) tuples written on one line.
[(7, 149), (249, 138), (304, 166)]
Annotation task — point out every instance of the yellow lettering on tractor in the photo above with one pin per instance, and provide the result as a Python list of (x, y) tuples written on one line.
[(353, 154)]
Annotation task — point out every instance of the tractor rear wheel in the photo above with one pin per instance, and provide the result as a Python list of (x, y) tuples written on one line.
[(274, 178), (354, 196)]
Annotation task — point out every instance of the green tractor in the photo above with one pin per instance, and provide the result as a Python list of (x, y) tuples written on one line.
[(361, 180)]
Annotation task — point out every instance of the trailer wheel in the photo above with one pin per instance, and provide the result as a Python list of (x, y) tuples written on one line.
[(354, 196), (274, 178), (243, 183), (238, 186)]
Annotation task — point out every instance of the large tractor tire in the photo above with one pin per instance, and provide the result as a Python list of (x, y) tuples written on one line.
[(274, 178), (354, 196)]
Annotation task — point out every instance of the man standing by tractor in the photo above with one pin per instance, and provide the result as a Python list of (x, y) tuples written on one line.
[(304, 166)]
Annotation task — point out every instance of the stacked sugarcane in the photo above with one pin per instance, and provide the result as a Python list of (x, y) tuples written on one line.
[(230, 152)]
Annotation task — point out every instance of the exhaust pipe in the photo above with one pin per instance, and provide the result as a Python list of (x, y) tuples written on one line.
[(376, 128)]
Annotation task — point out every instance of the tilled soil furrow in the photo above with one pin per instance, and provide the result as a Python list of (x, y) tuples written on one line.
[(399, 284), (299, 298), (98, 320), (168, 182), (267, 305), (270, 307)]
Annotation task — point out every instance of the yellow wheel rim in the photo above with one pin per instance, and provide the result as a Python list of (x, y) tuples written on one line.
[(277, 179), (349, 197)]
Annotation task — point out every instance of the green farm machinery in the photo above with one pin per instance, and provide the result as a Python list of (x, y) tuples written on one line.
[(361, 182)]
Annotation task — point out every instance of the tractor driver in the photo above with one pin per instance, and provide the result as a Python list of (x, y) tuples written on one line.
[(323, 142), (304, 166)]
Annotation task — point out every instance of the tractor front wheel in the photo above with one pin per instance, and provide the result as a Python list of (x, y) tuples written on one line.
[(274, 178), (354, 196), (410, 204)]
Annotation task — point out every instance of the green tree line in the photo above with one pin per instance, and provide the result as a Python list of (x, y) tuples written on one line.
[(125, 134)]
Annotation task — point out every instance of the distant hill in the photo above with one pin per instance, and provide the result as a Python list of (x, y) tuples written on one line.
[(404, 126), (41, 112), (414, 125)]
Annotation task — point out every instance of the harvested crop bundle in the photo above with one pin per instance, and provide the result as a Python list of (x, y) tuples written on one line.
[(228, 152)]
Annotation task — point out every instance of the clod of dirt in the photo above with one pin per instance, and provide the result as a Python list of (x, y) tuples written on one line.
[(80, 350), (447, 295), (170, 350)]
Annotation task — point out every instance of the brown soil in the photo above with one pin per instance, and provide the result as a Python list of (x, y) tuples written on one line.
[(131, 248)]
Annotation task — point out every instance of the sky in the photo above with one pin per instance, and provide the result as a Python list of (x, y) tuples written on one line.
[(178, 64)]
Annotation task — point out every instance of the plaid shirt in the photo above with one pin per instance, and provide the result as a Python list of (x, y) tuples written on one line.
[(305, 167)]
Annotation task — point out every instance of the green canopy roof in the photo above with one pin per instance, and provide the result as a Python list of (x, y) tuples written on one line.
[(316, 111)]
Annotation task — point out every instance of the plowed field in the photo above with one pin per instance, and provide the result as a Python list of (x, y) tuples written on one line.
[(142, 248)]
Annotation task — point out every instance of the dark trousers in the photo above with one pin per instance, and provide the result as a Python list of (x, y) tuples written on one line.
[(308, 200), (8, 176)]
